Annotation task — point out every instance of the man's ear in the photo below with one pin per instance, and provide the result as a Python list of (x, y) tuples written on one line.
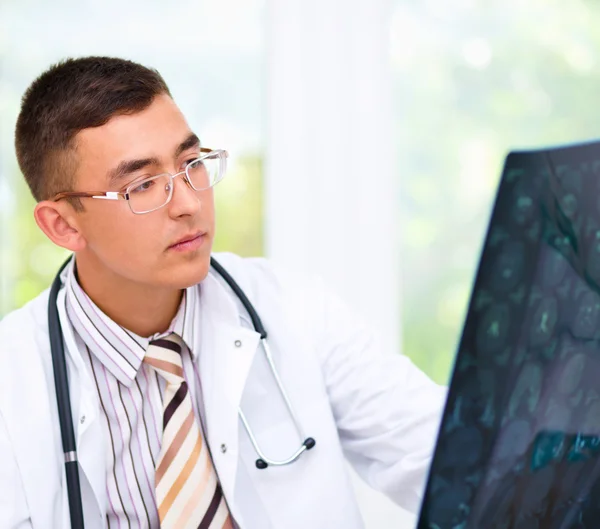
[(59, 222)]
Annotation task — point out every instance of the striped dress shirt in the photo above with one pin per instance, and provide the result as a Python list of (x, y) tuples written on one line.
[(130, 395)]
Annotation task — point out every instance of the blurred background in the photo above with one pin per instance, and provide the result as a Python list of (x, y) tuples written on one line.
[(366, 137)]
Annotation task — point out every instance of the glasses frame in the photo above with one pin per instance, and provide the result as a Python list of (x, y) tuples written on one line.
[(124, 195)]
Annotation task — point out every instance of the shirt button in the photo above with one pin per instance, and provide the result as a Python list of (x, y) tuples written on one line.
[(82, 420), (238, 343), (223, 448)]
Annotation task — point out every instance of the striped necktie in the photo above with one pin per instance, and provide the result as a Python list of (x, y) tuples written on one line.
[(188, 492)]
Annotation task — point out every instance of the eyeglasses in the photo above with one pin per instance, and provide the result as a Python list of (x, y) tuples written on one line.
[(154, 192)]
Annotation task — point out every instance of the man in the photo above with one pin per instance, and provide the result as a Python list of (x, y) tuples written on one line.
[(160, 351)]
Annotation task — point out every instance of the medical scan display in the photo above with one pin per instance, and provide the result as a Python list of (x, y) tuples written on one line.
[(519, 444)]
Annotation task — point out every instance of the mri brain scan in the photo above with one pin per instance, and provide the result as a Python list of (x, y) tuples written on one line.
[(519, 445)]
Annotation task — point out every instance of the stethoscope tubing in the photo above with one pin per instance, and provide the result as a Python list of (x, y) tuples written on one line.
[(263, 461), (65, 416)]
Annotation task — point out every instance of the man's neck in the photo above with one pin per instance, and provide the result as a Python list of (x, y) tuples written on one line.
[(134, 306)]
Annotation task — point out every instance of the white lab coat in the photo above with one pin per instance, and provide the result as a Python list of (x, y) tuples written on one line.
[(375, 409)]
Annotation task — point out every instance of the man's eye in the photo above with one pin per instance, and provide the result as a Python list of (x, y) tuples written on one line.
[(144, 186), (188, 162)]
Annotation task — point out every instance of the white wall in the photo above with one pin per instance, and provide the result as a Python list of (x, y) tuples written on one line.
[(331, 189)]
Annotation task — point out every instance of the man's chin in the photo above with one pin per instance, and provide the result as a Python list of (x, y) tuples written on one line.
[(191, 273)]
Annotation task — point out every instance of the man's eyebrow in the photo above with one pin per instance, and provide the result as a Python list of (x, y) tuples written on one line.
[(127, 167), (191, 141)]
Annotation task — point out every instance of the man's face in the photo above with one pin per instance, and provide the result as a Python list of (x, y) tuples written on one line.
[(143, 248)]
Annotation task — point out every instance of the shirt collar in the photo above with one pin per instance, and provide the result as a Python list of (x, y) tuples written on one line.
[(120, 350)]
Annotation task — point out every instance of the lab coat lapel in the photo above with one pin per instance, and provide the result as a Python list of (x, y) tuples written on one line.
[(88, 426), (227, 352)]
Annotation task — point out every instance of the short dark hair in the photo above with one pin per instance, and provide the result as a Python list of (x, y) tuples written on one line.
[(70, 96)]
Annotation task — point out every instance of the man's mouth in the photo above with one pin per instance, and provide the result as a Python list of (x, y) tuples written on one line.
[(189, 242)]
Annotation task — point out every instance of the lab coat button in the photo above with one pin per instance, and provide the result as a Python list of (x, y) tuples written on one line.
[(82, 420), (223, 448), (238, 343)]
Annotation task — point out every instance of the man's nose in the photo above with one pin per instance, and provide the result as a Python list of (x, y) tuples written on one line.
[(185, 199)]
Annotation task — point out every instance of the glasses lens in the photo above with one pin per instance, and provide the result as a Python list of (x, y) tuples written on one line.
[(206, 172), (149, 194)]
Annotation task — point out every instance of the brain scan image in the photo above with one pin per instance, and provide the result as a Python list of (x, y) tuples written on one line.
[(508, 268), (544, 320), (519, 443), (554, 270)]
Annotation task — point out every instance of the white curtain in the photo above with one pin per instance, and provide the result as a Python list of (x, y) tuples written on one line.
[(331, 188)]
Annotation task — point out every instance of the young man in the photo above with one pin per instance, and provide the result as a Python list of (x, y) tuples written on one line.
[(160, 352)]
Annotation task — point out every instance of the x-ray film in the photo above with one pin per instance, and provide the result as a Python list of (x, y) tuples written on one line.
[(519, 444)]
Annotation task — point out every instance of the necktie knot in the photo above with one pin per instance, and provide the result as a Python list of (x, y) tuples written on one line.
[(164, 356)]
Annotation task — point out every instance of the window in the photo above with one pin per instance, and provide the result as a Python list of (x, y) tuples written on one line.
[(475, 79)]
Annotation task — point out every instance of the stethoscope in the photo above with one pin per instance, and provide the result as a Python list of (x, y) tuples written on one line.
[(61, 385)]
